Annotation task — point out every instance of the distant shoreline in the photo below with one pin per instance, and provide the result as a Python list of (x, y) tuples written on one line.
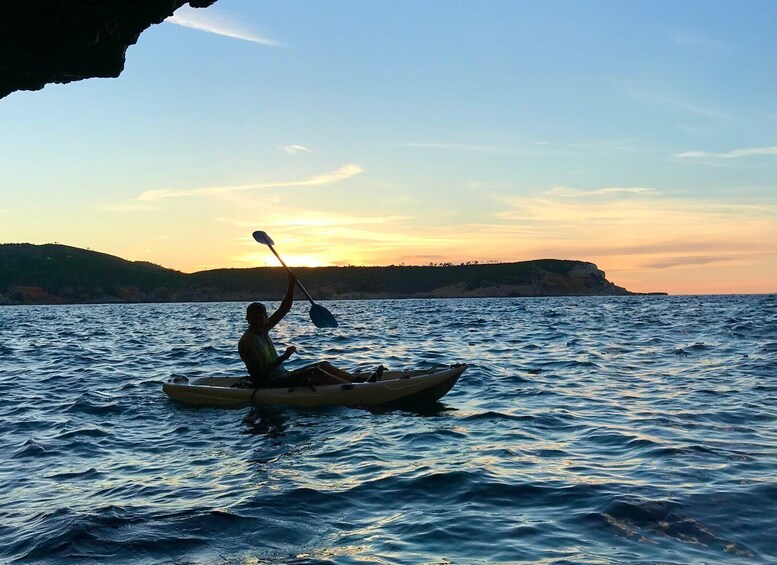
[(301, 299), (59, 274)]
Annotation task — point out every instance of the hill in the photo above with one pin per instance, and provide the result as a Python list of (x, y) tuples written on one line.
[(59, 274)]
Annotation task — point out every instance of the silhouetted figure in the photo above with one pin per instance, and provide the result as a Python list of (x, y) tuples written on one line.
[(265, 366)]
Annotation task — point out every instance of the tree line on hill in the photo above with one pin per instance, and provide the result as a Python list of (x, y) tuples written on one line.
[(52, 273)]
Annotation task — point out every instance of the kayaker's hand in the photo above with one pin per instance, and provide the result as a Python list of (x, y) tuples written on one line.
[(292, 279), (291, 350)]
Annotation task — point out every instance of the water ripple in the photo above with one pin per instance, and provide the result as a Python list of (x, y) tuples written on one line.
[(597, 430)]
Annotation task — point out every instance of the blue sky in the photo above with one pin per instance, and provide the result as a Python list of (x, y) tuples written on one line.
[(641, 136)]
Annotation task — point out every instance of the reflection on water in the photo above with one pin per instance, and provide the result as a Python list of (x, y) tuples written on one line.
[(269, 421), (428, 409), (586, 430)]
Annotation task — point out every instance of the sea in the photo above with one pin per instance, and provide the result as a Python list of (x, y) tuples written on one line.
[(635, 429)]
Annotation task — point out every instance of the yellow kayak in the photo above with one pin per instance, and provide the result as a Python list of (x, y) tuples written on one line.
[(394, 387)]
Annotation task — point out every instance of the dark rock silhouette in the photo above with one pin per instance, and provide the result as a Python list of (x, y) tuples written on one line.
[(58, 274), (44, 41)]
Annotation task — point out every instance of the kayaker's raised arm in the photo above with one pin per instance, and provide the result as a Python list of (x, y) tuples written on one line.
[(285, 306), (264, 364)]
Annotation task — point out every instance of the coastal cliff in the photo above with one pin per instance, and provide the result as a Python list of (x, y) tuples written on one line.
[(60, 274)]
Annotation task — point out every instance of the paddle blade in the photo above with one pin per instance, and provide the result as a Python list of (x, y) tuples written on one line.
[(263, 238), (322, 318)]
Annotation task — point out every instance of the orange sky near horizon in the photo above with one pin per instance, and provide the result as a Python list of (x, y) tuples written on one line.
[(643, 240)]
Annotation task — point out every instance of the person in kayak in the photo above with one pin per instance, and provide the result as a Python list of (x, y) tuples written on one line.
[(265, 366)]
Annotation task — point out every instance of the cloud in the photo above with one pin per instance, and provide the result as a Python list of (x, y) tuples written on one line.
[(596, 145), (537, 148), (128, 208), (551, 210), (340, 174), (569, 192), (453, 146), (664, 247), (692, 108), (696, 130), (212, 21), (647, 94), (293, 149), (670, 262), (295, 218), (316, 219), (630, 232), (734, 154), (699, 41)]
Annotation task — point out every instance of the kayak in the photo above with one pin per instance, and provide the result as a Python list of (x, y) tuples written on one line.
[(394, 387)]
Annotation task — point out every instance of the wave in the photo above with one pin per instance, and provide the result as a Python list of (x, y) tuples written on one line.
[(654, 521), (31, 449), (96, 404), (112, 533), (89, 431), (575, 436), (90, 473)]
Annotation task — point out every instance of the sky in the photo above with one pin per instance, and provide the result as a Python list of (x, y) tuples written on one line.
[(641, 136)]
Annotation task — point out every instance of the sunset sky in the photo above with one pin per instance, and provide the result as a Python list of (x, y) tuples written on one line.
[(641, 136)]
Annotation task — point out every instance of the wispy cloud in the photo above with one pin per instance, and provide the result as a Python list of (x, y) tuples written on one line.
[(293, 149), (734, 154), (684, 214), (596, 145), (653, 229), (340, 174), (315, 219), (128, 208), (454, 146), (693, 260), (537, 148), (695, 130), (296, 218), (698, 40), (663, 247), (212, 21), (688, 107), (569, 192), (647, 93)]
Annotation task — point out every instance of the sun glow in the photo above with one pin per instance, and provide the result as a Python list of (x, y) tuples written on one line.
[(292, 259)]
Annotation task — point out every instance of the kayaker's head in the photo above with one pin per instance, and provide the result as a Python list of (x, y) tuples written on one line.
[(256, 314)]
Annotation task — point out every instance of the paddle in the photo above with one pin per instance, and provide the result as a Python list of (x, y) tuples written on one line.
[(321, 317)]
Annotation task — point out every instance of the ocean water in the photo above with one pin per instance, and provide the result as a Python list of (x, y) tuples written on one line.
[(593, 430)]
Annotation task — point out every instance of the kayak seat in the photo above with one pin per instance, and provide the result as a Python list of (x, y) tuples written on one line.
[(377, 374)]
